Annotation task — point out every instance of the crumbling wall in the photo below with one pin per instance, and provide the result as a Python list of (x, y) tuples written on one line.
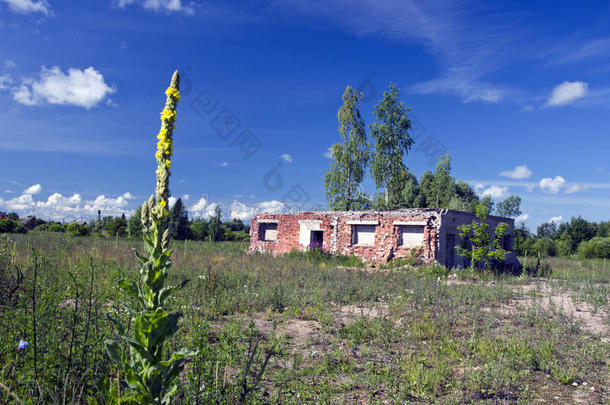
[(338, 228), (451, 220)]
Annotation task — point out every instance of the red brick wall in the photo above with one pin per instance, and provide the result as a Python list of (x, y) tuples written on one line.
[(386, 233)]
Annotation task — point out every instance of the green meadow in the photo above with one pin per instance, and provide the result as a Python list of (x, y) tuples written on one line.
[(307, 328)]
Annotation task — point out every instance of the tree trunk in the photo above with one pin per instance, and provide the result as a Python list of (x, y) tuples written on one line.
[(387, 197)]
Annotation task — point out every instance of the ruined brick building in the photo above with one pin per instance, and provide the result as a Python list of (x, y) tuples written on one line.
[(373, 236)]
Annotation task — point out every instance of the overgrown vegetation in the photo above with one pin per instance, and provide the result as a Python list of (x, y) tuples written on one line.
[(325, 333)]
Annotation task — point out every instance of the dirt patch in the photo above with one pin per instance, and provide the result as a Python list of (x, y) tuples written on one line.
[(300, 331), (348, 313), (542, 295), (559, 300)]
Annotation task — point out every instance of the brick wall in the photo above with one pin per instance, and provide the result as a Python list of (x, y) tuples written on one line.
[(337, 233)]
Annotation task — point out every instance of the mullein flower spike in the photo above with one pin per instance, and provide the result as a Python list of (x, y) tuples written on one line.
[(165, 147), (147, 377)]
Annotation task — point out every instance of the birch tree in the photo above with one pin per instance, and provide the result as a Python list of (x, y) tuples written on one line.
[(350, 156), (391, 141)]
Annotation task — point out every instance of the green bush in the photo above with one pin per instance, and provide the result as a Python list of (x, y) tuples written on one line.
[(594, 248), (56, 227), (76, 229), (544, 246), (11, 226)]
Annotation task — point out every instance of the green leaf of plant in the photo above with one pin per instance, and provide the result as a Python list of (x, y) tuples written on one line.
[(114, 351)]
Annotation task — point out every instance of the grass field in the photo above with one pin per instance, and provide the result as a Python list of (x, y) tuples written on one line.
[(302, 330)]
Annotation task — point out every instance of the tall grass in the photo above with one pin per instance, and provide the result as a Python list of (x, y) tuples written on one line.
[(429, 341)]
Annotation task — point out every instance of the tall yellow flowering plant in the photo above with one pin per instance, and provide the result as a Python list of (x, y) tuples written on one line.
[(147, 375)]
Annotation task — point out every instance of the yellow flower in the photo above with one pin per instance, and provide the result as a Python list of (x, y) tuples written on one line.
[(168, 115), (162, 203), (168, 163), (172, 92)]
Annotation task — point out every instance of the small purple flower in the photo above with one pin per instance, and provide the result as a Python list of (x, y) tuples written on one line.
[(22, 345)]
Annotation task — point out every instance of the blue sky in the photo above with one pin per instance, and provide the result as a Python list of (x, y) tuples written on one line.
[(517, 93)]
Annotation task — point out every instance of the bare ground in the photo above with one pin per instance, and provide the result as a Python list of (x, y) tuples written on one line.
[(308, 336)]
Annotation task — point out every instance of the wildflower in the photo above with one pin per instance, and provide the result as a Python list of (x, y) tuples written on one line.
[(172, 92), (22, 345), (168, 115)]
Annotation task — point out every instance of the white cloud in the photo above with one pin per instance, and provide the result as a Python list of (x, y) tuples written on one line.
[(159, 6), (83, 88), (35, 189), (287, 157), (270, 207), (171, 201), (465, 88), (576, 188), (5, 81), (518, 173), (556, 219), (201, 209), (242, 211), (552, 185), (522, 218), (9, 64), (567, 92), (224, 164), (28, 6), (493, 191), (328, 154), (108, 206), (59, 207)]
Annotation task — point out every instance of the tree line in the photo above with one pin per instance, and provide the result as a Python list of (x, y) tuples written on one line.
[(180, 226), (385, 156), (579, 237)]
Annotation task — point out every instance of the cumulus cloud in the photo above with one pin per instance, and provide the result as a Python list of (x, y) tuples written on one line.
[(84, 88), (556, 219), (108, 206), (28, 6), (522, 218), (59, 207), (567, 92), (493, 191), (35, 189), (242, 211), (286, 157), (576, 188), (270, 207), (518, 173), (328, 154), (5, 81), (159, 6), (201, 209), (552, 185)]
